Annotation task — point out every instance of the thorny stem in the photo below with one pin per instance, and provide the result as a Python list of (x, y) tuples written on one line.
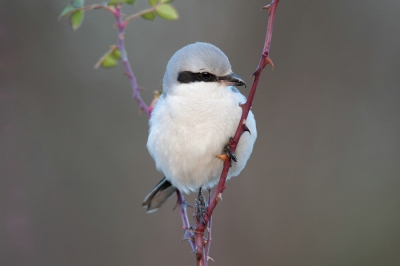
[(121, 45), (185, 221), (246, 107), (264, 60)]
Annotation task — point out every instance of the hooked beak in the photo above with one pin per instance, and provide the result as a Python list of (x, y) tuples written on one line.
[(233, 80)]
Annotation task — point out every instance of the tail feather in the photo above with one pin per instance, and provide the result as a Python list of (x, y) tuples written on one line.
[(158, 195)]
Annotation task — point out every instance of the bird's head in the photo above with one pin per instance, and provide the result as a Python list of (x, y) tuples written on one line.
[(199, 62)]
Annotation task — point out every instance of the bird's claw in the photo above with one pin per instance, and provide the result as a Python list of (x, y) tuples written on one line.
[(231, 155)]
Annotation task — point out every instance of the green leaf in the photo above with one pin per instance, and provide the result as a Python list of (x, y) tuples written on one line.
[(78, 3), (166, 11), (153, 2), (113, 2), (165, 1), (66, 11), (109, 61), (116, 53), (76, 19), (131, 2), (149, 16)]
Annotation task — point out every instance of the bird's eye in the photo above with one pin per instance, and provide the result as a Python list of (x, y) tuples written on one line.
[(205, 76)]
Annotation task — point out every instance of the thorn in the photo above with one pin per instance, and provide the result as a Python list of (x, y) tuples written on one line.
[(223, 157), (176, 205), (209, 258), (219, 197), (267, 7), (187, 204), (140, 111), (269, 61), (245, 128), (255, 73), (187, 239)]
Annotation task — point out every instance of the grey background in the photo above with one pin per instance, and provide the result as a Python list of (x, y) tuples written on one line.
[(322, 185)]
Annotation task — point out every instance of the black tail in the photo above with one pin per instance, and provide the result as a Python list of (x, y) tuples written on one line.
[(158, 195)]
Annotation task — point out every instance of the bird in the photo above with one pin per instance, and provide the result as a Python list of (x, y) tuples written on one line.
[(193, 121)]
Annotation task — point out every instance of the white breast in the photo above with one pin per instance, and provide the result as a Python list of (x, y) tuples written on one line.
[(193, 125)]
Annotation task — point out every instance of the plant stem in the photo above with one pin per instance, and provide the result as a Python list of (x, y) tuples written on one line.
[(185, 221), (121, 45), (140, 13)]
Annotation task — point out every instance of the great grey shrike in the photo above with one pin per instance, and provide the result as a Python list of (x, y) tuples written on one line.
[(193, 121)]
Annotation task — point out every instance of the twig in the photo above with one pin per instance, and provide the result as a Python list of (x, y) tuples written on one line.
[(121, 45), (97, 6), (264, 61), (151, 9)]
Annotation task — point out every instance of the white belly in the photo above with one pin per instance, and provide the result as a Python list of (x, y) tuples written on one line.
[(189, 130)]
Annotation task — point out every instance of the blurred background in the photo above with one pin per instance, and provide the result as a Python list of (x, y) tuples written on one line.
[(322, 186)]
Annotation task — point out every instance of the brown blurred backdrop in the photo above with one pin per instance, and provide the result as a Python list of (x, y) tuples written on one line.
[(322, 186)]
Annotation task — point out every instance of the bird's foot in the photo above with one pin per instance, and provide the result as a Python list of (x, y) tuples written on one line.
[(229, 154)]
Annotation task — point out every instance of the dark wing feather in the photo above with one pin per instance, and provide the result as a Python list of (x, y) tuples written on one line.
[(158, 195)]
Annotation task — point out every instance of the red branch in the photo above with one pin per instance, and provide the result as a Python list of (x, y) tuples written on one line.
[(264, 61)]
